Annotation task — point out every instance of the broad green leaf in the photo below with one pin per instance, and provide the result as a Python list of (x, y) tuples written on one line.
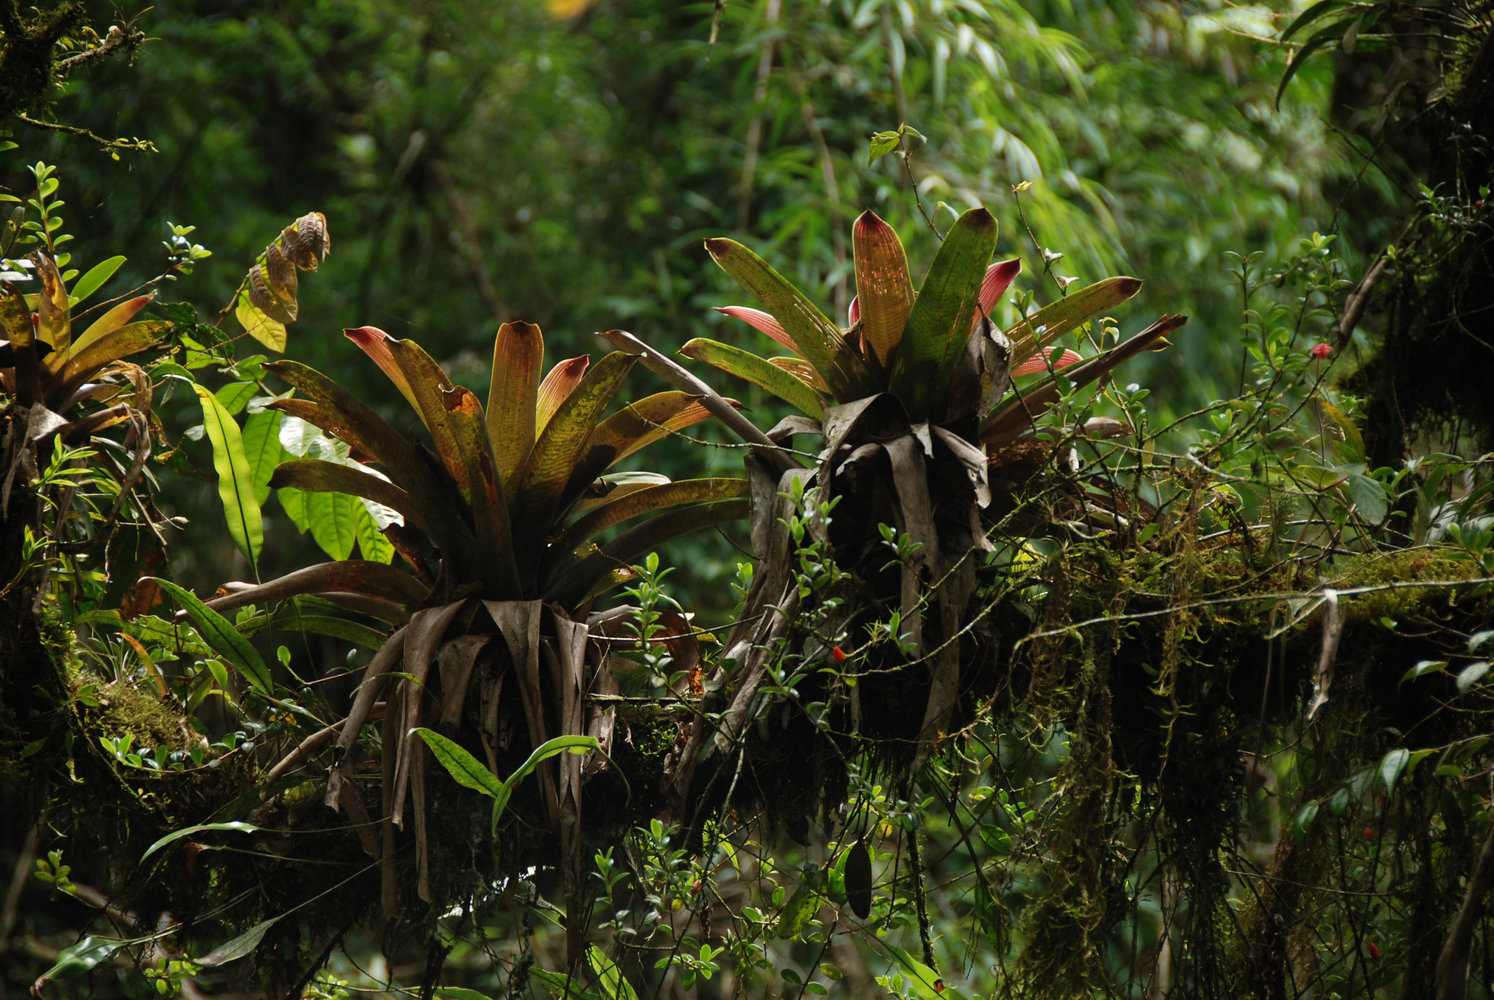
[(939, 326), (464, 768), (93, 279), (290, 617), (319, 476), (262, 450), (518, 355), (561, 985), (222, 637), (881, 144), (337, 411), (240, 946), (238, 826), (1392, 766), (759, 371), (372, 545), (924, 980), (1332, 33), (1310, 15), (1424, 667), (1352, 446), (1471, 675), (883, 288), (816, 338), (330, 516), (1368, 495), (1062, 315), (550, 748), (797, 912), (1302, 821), (235, 478), (609, 977), (235, 396), (461, 993), (88, 954), (258, 324), (293, 502)]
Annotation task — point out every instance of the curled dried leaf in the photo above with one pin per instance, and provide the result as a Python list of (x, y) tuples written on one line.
[(307, 242)]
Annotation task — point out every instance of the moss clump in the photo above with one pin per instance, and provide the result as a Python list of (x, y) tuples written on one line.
[(28, 73)]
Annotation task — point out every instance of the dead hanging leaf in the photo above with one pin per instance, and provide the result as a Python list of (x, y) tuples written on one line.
[(140, 598), (307, 242), (266, 301), (859, 880)]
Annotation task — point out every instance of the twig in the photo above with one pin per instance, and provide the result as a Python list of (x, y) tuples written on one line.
[(121, 144), (1452, 964), (117, 38), (1279, 595)]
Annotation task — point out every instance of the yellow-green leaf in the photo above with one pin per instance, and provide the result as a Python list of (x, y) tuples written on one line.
[(518, 354), (759, 371), (235, 478), (258, 324)]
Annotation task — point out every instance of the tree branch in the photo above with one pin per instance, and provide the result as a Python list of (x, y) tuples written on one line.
[(1452, 964)]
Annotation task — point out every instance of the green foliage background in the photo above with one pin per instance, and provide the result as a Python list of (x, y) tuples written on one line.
[(481, 162)]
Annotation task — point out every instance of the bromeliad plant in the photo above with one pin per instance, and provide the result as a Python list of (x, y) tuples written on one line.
[(63, 385), (933, 349), (913, 402), (499, 566)]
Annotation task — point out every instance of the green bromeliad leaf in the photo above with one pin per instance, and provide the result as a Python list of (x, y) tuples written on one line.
[(1062, 315), (757, 370), (640, 424), (818, 340), (555, 464), (939, 326)]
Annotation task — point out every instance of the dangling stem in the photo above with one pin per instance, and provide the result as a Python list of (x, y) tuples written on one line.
[(920, 903)]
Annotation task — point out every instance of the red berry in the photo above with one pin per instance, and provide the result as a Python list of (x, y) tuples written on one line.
[(1374, 950), (1369, 833), (837, 654)]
